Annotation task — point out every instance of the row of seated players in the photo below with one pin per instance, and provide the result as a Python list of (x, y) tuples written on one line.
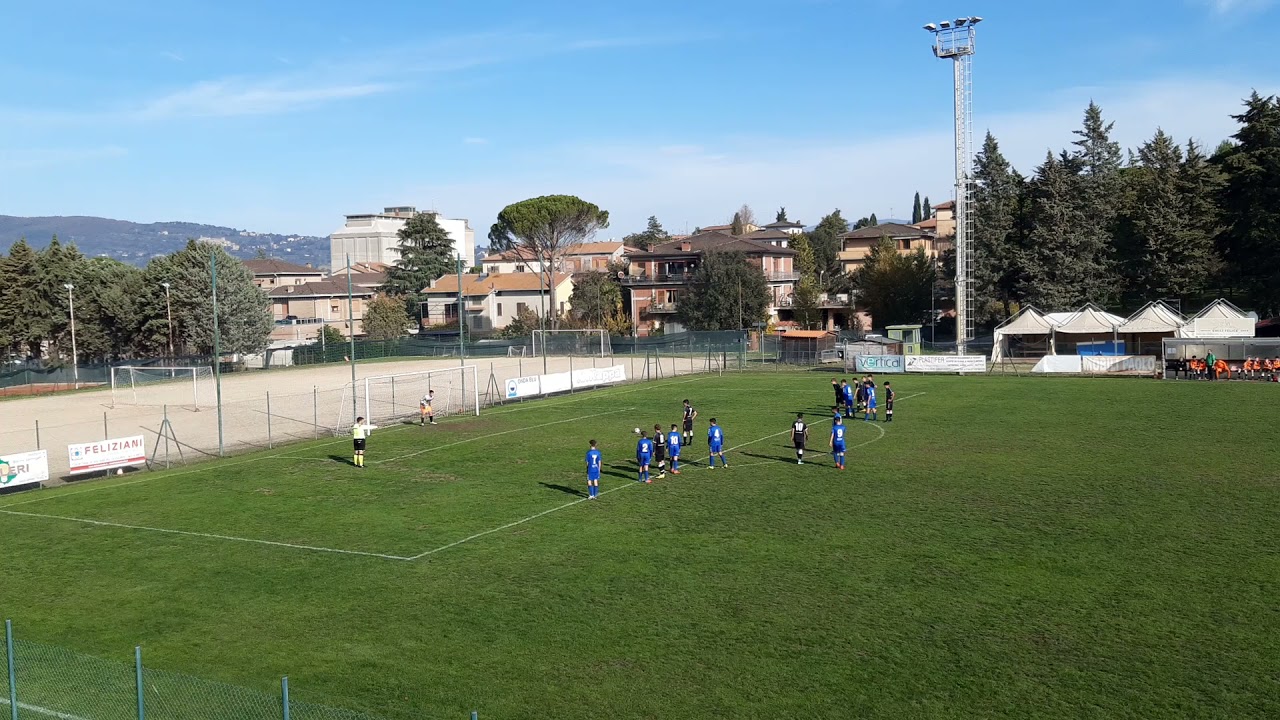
[(1247, 369)]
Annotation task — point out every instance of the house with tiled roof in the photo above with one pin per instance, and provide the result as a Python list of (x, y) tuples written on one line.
[(272, 272), (301, 310), (659, 278), (855, 246), (490, 301), (786, 226), (586, 257)]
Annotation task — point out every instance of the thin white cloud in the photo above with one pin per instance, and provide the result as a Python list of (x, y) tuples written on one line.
[(225, 98), (695, 183), (36, 158)]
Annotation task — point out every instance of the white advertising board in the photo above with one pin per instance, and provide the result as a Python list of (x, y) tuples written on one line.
[(946, 363), (28, 468), (590, 377), (880, 363), (107, 454), (524, 387), (1220, 328)]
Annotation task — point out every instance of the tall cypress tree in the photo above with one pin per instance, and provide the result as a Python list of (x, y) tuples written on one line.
[(1250, 241), (926, 211), (1061, 263), (916, 217), (1096, 165), (995, 214)]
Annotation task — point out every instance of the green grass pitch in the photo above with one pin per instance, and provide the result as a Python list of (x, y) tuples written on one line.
[(1006, 548)]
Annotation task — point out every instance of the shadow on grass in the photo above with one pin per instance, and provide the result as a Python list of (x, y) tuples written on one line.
[(775, 458), (564, 489), (344, 459)]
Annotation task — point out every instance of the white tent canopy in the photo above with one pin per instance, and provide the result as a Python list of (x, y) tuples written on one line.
[(1089, 320), (1155, 317), (1220, 319), (1027, 321)]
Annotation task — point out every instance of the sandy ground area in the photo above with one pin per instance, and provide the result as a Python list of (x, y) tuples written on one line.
[(305, 402)]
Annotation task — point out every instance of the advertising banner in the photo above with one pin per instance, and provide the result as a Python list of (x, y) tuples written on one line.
[(946, 363), (590, 377), (523, 387), (107, 454), (1220, 328), (28, 468), (880, 363)]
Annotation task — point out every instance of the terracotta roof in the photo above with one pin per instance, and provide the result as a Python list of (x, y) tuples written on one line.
[(484, 283), (367, 279), (785, 224), (718, 241), (769, 234), (930, 224), (892, 230), (948, 205), (320, 288), (717, 228), (805, 334), (272, 266), (596, 248)]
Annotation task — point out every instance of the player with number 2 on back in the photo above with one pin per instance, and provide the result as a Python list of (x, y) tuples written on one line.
[(644, 455)]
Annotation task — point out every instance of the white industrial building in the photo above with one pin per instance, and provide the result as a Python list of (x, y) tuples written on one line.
[(374, 238)]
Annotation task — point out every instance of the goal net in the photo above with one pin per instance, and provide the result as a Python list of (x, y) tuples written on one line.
[(390, 399), (590, 343), (161, 385)]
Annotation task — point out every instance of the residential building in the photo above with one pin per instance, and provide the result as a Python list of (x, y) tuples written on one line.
[(580, 258), (856, 245), (726, 229), (492, 300), (366, 275), (773, 236), (786, 226), (375, 238), (270, 273), (943, 222), (659, 278), (301, 310)]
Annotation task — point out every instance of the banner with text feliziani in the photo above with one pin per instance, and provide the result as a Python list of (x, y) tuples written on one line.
[(946, 363), (107, 454), (879, 363), (534, 385), (28, 468)]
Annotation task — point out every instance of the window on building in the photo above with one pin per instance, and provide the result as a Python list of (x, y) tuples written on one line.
[(499, 309), (521, 307), (451, 311), (906, 244), (335, 308)]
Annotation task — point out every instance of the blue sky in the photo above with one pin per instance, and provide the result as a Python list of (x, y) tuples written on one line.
[(284, 116)]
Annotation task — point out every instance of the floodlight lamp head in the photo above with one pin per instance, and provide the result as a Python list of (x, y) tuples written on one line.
[(961, 21), (944, 24), (975, 20), (931, 27)]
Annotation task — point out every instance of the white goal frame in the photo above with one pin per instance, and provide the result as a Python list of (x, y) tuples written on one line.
[(385, 403), (128, 383), (540, 348)]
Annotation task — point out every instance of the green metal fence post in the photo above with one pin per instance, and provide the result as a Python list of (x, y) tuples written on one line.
[(137, 664), (284, 695), (13, 673)]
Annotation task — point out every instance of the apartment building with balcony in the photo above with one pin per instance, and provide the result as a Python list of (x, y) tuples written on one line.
[(587, 257), (657, 279), (490, 301), (269, 273), (301, 310), (856, 245)]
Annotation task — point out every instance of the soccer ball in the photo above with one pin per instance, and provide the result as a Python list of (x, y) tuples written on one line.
[(636, 431), (119, 471)]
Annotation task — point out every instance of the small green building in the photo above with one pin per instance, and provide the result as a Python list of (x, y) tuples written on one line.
[(908, 335)]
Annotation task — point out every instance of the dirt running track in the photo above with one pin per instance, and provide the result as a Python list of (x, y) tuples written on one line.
[(306, 402)]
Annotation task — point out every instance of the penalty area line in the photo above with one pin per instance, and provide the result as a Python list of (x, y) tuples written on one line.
[(208, 536)]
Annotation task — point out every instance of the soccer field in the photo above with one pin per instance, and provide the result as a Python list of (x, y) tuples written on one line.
[(1007, 547)]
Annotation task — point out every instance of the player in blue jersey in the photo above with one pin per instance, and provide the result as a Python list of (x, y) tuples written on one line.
[(835, 413), (644, 455), (715, 443), (837, 442), (848, 391), (871, 414), (673, 448), (594, 460)]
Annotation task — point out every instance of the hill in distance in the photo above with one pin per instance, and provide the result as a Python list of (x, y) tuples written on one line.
[(137, 243)]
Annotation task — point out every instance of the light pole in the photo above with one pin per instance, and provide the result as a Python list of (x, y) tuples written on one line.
[(168, 309), (955, 40), (75, 358)]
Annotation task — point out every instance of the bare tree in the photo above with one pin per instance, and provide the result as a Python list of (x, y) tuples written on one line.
[(746, 215)]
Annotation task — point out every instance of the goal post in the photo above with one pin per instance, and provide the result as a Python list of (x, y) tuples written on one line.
[(588, 342), (161, 385), (394, 398)]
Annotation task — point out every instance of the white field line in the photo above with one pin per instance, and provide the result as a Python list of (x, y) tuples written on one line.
[(212, 536), (43, 710), (588, 395)]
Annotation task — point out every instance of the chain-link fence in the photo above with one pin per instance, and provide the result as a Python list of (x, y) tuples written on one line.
[(46, 681)]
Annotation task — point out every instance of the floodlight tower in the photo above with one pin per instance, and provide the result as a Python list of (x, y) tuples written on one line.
[(955, 40)]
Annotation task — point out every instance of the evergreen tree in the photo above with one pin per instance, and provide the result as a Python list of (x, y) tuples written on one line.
[(996, 199), (728, 292), (597, 303), (916, 213), (244, 311), (826, 243), (926, 212), (781, 216), (736, 227), (653, 234), (1062, 264), (1250, 201), (1096, 165), (25, 310), (805, 302), (426, 254), (894, 288), (873, 221), (806, 260), (385, 318), (1173, 252)]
